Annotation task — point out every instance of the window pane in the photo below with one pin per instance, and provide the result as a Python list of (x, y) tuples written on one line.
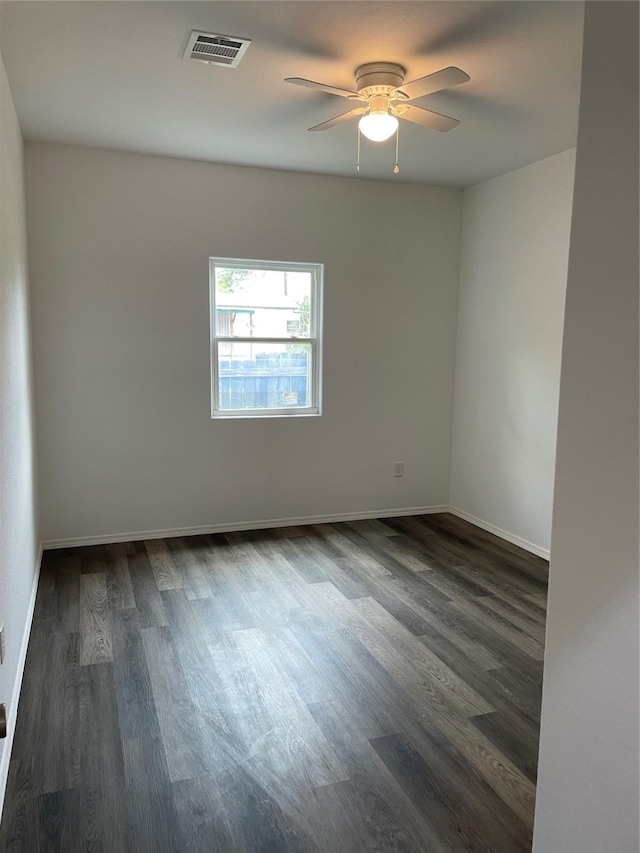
[(264, 376), (262, 303)]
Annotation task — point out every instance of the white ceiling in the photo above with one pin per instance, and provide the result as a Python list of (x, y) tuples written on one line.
[(110, 74)]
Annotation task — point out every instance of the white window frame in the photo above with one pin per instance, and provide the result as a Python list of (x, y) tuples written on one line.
[(314, 339)]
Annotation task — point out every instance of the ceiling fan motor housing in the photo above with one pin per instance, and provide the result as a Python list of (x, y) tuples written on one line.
[(379, 78)]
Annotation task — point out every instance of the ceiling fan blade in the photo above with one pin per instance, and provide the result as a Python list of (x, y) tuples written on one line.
[(323, 87), (332, 122), (427, 118), (435, 82)]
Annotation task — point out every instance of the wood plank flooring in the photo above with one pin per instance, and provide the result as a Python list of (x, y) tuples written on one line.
[(364, 686)]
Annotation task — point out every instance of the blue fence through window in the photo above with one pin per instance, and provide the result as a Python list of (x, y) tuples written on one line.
[(268, 381)]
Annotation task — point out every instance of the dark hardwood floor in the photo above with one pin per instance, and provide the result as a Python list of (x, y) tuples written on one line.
[(365, 686)]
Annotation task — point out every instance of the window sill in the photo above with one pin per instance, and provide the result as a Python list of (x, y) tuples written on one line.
[(233, 416)]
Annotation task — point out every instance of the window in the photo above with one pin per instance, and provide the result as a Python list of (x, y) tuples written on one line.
[(265, 338)]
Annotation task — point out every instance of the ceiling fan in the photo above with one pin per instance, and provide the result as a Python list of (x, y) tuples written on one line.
[(385, 96)]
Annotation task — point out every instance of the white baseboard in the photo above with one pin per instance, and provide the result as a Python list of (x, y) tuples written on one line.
[(12, 711), (503, 534), (134, 536), (259, 524)]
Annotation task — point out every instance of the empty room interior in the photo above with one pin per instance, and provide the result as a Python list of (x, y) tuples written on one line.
[(319, 427)]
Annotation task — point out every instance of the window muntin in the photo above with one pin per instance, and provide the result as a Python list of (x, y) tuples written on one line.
[(265, 338)]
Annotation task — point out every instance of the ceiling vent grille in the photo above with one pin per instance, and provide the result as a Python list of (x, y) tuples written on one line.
[(216, 49)]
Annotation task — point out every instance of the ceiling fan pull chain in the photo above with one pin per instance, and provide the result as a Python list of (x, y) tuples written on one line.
[(358, 157), (396, 168)]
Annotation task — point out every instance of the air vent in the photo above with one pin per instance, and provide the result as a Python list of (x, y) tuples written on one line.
[(216, 49)]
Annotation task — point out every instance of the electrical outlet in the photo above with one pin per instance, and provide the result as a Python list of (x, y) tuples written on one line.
[(1, 644), (398, 469)]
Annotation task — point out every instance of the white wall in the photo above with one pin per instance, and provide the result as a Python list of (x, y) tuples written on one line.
[(18, 517), (513, 275), (588, 773), (119, 249)]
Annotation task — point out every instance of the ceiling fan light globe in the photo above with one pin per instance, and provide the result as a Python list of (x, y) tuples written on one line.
[(378, 126)]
